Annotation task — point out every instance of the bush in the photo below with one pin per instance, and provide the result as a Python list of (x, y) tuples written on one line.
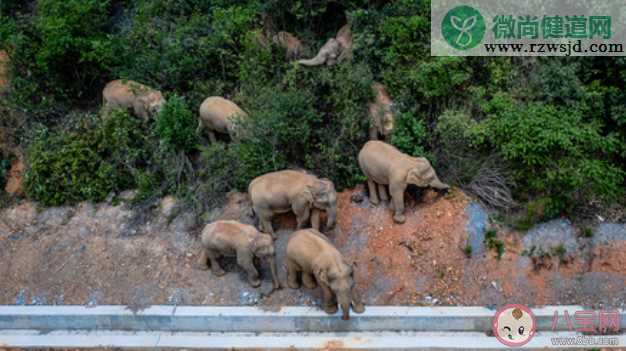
[(278, 133), (343, 93), (59, 54), (410, 135), (67, 167), (64, 168), (176, 125), (553, 151), (5, 165)]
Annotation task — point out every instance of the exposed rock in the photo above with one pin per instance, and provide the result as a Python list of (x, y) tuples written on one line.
[(609, 248), (18, 217), (168, 206), (477, 221), (606, 233), (550, 238), (127, 195), (55, 216)]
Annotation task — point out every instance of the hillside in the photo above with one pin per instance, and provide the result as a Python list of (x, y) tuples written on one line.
[(105, 190), (100, 254)]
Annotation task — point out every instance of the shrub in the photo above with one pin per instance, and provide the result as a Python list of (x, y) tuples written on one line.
[(343, 93), (59, 53), (278, 133), (64, 168), (5, 165), (410, 135), (176, 125), (553, 151), (67, 167)]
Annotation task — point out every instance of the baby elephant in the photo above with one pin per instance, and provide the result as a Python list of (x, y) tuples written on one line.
[(383, 165), (231, 238), (310, 253), (297, 191), (219, 115), (143, 100)]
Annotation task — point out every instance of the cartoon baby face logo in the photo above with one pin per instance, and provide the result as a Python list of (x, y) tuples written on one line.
[(514, 325)]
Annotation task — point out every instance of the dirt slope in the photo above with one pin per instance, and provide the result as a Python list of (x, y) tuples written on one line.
[(101, 254)]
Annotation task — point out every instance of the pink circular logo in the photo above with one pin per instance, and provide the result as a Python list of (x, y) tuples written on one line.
[(514, 325)]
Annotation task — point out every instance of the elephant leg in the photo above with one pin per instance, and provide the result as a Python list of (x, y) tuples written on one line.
[(292, 274), (382, 192), (373, 133), (357, 303), (373, 195), (330, 302), (212, 137), (215, 266), (397, 195), (245, 261), (302, 215), (308, 280), (265, 217), (315, 219), (202, 263)]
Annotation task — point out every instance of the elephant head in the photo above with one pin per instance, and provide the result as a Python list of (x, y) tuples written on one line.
[(152, 102), (339, 278), (324, 197), (423, 175), (263, 248)]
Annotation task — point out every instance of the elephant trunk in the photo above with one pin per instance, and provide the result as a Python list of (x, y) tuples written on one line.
[(344, 298), (316, 61), (345, 309), (330, 48), (275, 281), (437, 184), (331, 216)]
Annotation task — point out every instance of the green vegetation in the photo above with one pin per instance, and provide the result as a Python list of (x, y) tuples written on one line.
[(587, 232), (5, 164), (176, 125), (467, 250), (492, 242), (546, 135)]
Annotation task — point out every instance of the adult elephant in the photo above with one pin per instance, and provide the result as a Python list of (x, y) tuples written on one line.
[(313, 257), (297, 191), (384, 165), (144, 101)]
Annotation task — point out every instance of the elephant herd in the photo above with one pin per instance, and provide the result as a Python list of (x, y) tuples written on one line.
[(310, 256)]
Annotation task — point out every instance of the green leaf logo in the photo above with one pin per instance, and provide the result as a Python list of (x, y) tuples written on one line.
[(463, 27)]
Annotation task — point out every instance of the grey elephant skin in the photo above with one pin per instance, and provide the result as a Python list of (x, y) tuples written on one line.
[(334, 51), (231, 238), (143, 100), (297, 191), (313, 257), (384, 165)]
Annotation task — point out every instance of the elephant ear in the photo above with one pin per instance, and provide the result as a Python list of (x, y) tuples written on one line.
[(418, 176), (326, 187), (321, 275), (306, 196)]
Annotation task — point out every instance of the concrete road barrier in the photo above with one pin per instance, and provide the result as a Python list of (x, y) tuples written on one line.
[(380, 327)]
